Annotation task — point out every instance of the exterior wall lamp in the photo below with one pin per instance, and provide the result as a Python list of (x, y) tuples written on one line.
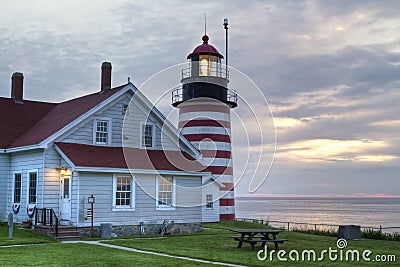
[(63, 170)]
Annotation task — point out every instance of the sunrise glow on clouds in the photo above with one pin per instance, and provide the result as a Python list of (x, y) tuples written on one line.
[(336, 150)]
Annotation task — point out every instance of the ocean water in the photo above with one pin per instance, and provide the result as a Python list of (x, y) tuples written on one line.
[(367, 212)]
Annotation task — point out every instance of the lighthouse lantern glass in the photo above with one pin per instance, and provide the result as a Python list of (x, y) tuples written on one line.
[(209, 65), (204, 66)]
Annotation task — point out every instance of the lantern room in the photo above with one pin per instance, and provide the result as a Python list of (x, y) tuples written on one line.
[(205, 76), (206, 61)]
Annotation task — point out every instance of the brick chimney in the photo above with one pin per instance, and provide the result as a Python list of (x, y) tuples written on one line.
[(17, 87), (105, 76)]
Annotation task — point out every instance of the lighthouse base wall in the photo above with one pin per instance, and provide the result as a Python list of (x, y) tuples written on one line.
[(206, 123)]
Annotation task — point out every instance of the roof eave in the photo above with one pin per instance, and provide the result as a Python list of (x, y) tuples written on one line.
[(211, 178), (65, 157), (141, 171), (22, 148), (204, 53)]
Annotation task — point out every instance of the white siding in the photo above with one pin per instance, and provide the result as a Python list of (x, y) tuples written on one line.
[(210, 215), (133, 127), (75, 196), (83, 134), (189, 191), (4, 185), (26, 161), (52, 179), (101, 186)]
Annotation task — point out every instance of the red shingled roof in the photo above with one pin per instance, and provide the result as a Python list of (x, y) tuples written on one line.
[(32, 122), (133, 158), (17, 119)]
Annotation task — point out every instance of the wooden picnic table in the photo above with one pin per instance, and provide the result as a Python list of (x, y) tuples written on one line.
[(253, 236)]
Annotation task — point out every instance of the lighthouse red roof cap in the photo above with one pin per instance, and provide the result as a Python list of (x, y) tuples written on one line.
[(205, 49)]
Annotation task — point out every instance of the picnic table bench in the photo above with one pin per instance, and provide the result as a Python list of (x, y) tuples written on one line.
[(254, 236)]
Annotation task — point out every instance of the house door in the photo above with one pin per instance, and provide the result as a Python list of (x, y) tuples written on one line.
[(65, 203)]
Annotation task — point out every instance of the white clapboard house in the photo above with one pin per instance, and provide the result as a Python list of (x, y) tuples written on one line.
[(54, 156)]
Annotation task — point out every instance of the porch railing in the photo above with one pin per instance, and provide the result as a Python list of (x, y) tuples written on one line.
[(47, 217)]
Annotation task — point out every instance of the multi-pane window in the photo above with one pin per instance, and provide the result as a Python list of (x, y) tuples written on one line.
[(147, 135), (101, 131), (32, 187), (209, 202), (123, 192), (165, 188), (17, 187)]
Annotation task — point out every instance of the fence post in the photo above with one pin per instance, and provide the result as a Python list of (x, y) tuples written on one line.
[(10, 225), (44, 219), (315, 227), (51, 217), (288, 228), (56, 227), (380, 229)]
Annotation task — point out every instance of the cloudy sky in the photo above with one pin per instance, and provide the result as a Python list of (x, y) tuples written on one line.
[(330, 71)]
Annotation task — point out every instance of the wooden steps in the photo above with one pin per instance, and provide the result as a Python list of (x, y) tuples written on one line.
[(65, 233)]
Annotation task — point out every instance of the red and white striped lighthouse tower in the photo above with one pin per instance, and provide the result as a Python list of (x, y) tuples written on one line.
[(204, 103)]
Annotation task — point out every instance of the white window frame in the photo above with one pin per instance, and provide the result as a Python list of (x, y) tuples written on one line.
[(153, 144), (13, 188), (173, 200), (109, 130), (131, 207), (28, 185), (209, 202)]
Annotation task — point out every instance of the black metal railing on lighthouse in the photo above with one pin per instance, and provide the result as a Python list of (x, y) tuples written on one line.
[(196, 70), (178, 96)]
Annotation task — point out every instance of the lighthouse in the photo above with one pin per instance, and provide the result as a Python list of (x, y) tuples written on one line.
[(204, 102)]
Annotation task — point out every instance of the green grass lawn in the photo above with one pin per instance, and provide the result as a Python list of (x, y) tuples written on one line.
[(22, 236), (82, 255), (212, 244), (215, 244)]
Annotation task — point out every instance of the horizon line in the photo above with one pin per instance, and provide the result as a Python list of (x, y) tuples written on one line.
[(356, 195)]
